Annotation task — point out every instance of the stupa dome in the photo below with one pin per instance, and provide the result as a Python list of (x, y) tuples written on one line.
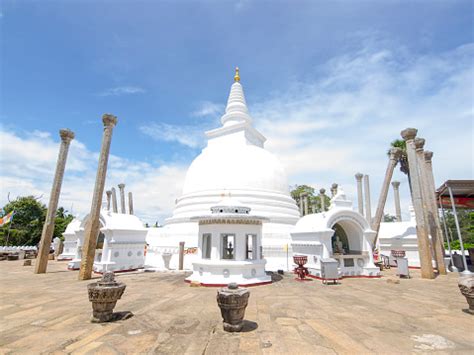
[(239, 167), (236, 162)]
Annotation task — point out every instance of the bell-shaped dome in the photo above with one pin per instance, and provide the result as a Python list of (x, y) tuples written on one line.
[(236, 162), (242, 167)]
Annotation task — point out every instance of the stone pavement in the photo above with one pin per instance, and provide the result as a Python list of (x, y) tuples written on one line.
[(49, 313)]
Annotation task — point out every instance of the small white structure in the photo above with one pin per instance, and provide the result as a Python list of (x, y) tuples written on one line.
[(229, 247), (400, 236), (234, 161), (70, 240), (120, 245), (339, 233)]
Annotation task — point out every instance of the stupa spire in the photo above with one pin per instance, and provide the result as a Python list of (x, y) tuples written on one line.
[(236, 110), (237, 75)]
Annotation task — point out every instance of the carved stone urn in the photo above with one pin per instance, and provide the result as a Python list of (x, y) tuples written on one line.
[(233, 301), (466, 285), (104, 294)]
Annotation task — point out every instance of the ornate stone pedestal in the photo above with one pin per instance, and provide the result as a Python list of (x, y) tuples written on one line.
[(466, 285), (104, 295), (233, 301)]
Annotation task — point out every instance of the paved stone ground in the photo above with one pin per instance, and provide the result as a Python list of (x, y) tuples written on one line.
[(50, 313)]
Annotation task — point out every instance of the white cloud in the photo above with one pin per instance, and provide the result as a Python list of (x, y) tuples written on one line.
[(328, 129), (208, 109), (190, 136), (122, 90)]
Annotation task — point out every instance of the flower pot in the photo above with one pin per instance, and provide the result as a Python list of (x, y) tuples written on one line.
[(104, 296), (466, 286), (233, 301)]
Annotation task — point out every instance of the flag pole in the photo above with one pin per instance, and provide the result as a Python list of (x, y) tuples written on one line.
[(9, 227)]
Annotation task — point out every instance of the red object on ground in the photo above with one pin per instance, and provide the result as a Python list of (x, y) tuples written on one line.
[(301, 271)]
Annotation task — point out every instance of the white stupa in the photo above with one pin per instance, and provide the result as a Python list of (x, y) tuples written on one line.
[(236, 162)]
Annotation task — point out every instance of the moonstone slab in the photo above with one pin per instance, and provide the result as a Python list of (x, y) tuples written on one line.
[(233, 301)]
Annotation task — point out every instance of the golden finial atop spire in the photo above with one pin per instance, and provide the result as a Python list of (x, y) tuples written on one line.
[(237, 75)]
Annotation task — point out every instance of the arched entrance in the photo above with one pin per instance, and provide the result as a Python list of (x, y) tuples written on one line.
[(339, 241)]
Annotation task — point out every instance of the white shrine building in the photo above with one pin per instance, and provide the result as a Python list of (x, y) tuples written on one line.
[(339, 233), (229, 247), (120, 244), (233, 162), (70, 240)]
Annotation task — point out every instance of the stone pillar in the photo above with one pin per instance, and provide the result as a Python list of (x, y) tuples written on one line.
[(360, 201), (109, 196), (424, 248), (114, 200), (431, 191), (333, 189), (130, 203), (122, 197), (438, 249), (302, 204), (396, 198), (306, 204), (432, 187), (368, 208), (322, 197), (181, 256), (48, 228), (92, 227), (395, 154)]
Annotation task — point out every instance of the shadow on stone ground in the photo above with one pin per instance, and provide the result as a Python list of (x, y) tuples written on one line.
[(117, 316), (249, 326), (276, 277)]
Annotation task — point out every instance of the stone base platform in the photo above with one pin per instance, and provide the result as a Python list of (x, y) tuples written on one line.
[(49, 313)]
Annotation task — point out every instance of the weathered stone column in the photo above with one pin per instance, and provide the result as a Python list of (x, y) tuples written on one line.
[(122, 197), (333, 189), (92, 227), (396, 198), (368, 208), (392, 162), (48, 228), (431, 192), (302, 195), (424, 248), (360, 201), (109, 196), (435, 233), (130, 203), (322, 196), (114, 200), (181, 256), (306, 204), (432, 187)]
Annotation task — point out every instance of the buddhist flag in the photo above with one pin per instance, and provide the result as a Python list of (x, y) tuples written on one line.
[(6, 219)]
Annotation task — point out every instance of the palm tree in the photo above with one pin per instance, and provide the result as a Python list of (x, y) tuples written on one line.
[(403, 160)]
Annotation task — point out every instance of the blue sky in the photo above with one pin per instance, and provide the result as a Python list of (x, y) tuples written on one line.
[(329, 83)]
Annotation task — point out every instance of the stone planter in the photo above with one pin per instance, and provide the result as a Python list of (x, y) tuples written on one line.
[(466, 285), (166, 259), (104, 294), (233, 301)]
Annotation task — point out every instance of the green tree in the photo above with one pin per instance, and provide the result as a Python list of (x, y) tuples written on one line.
[(466, 224), (389, 218), (403, 160), (27, 223), (314, 199)]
